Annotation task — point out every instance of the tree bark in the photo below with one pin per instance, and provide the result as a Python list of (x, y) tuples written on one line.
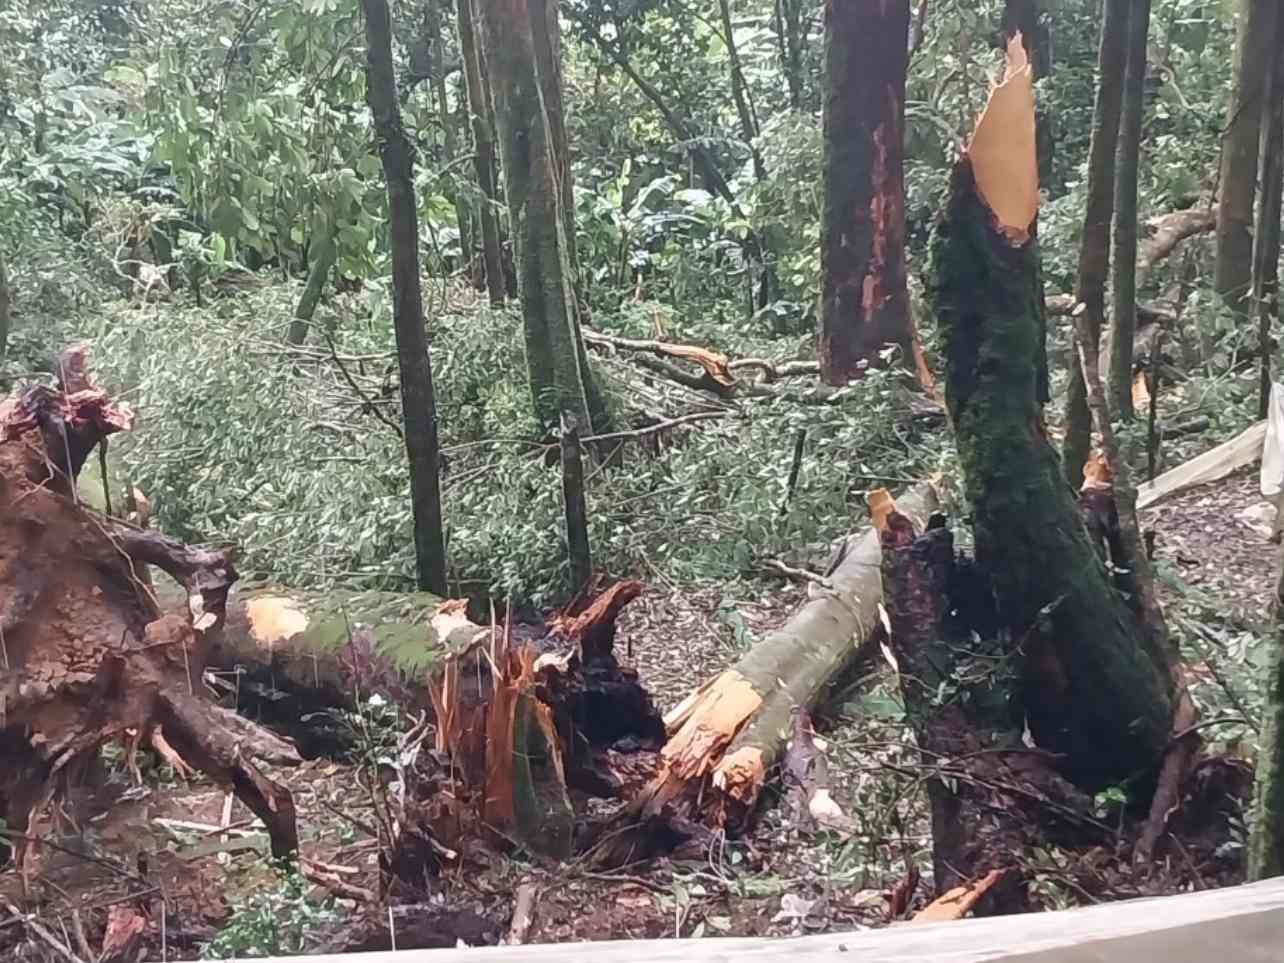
[(1256, 49), (864, 304), (1094, 690), (418, 402), (553, 358), (1266, 236), (1124, 317), (1266, 843), (324, 252), (483, 151), (1094, 246)]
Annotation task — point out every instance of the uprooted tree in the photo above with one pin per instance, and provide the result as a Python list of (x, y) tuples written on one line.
[(86, 652)]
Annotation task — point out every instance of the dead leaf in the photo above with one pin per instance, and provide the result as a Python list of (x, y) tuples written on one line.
[(1140, 391)]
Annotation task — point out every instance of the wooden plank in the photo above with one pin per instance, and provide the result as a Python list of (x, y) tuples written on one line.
[(1213, 465), (1239, 924)]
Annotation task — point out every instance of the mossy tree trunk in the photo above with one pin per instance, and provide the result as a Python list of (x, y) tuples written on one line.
[(1094, 245), (533, 190), (1094, 690), (789, 34), (418, 401), (1124, 308), (483, 151), (864, 304), (1266, 844), (1237, 183), (957, 703)]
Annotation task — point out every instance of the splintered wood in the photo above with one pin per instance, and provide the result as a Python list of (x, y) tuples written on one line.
[(1002, 149)]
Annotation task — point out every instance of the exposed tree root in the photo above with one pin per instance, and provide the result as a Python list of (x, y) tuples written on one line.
[(85, 652)]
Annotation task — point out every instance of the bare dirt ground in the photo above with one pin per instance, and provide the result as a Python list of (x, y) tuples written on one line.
[(156, 841)]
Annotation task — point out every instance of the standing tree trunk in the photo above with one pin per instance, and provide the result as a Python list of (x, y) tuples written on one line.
[(418, 403), (1094, 246), (535, 200), (1124, 319), (546, 33), (1266, 237), (1232, 275), (434, 38), (864, 303), (788, 19), (323, 254), (6, 308), (1097, 690), (483, 151), (1266, 844), (739, 91)]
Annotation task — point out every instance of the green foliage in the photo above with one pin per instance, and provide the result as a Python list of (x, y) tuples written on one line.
[(277, 921)]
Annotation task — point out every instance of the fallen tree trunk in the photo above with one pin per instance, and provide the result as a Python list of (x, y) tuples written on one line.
[(1094, 691), (725, 738), (85, 651)]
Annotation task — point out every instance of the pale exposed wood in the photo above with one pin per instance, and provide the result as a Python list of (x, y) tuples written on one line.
[(1242, 450), (1241, 924)]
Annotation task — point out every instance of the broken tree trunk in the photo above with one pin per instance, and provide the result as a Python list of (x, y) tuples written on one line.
[(1266, 844), (725, 738), (85, 652), (524, 722), (1094, 693), (989, 793)]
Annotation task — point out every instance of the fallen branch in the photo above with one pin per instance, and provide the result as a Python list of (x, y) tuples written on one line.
[(726, 737)]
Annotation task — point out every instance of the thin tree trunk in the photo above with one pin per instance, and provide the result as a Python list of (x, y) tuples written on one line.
[(324, 252), (1124, 314), (1232, 276), (739, 93), (534, 194), (575, 505), (6, 308), (418, 402), (1094, 246), (1266, 843), (483, 151), (788, 27), (1266, 243), (864, 302), (1095, 690)]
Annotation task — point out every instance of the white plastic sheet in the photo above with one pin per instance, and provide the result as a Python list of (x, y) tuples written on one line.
[(1272, 479)]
